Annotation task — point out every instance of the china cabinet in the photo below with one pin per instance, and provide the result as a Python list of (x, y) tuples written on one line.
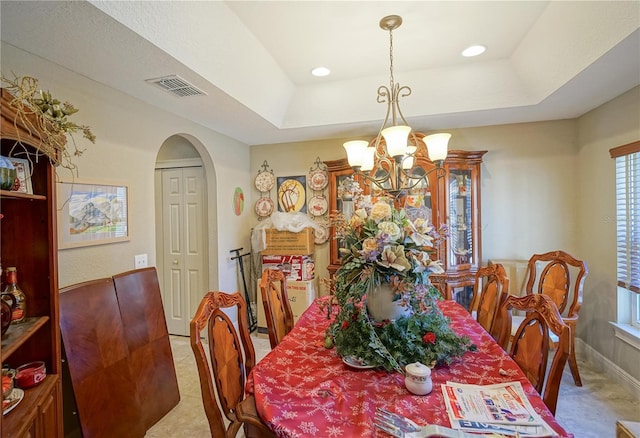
[(28, 225), (452, 196)]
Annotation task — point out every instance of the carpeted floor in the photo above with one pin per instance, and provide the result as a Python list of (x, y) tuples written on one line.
[(587, 411)]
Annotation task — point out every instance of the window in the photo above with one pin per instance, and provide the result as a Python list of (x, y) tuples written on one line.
[(628, 223)]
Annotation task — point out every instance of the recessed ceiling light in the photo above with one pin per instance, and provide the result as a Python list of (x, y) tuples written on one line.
[(473, 51), (321, 71)]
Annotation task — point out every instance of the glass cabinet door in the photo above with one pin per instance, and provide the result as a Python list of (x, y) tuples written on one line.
[(460, 214)]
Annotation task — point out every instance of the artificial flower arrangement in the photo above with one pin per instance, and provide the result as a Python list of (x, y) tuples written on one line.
[(381, 244)]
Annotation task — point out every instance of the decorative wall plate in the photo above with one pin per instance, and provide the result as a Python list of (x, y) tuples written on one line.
[(264, 207), (265, 181), (318, 179), (321, 234), (318, 205), (291, 195)]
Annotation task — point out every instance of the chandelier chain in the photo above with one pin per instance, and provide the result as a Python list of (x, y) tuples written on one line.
[(391, 79)]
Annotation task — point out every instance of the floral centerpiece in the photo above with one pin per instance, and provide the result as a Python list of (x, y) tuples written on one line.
[(381, 245)]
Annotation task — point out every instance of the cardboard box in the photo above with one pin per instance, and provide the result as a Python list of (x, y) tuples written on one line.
[(301, 295), (288, 243), (296, 267)]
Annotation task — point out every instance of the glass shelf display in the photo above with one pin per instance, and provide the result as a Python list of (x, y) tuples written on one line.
[(452, 200), (460, 218)]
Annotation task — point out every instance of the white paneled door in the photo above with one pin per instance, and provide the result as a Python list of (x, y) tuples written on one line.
[(183, 242)]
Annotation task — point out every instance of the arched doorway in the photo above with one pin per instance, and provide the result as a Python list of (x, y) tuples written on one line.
[(182, 231)]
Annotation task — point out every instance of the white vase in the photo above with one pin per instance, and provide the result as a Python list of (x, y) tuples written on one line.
[(381, 306)]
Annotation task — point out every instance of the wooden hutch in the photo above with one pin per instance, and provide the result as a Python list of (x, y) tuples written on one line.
[(28, 233), (452, 195)]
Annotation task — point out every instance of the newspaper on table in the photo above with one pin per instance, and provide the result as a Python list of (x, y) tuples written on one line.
[(502, 408)]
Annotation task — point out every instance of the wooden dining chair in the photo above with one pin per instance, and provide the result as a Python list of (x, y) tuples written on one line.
[(227, 361), (275, 301), (561, 277), (530, 345), (490, 287)]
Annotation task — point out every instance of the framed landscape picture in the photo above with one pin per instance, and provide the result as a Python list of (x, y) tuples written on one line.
[(92, 214)]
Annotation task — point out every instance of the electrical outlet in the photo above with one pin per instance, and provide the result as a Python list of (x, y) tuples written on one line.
[(140, 261)]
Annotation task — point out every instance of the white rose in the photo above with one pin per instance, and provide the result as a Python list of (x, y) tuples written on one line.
[(381, 211), (391, 229)]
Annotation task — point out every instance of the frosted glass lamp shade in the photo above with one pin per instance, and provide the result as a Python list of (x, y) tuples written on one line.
[(356, 152), (396, 138), (407, 163), (368, 160), (437, 146)]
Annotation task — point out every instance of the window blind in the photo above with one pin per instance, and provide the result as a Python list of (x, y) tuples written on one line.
[(628, 215)]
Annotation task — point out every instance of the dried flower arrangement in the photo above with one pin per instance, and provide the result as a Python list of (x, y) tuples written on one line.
[(39, 112)]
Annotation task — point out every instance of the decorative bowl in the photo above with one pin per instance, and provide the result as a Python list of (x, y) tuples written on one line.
[(30, 374)]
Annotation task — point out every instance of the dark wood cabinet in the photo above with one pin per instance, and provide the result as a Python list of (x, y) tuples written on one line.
[(29, 242), (453, 196)]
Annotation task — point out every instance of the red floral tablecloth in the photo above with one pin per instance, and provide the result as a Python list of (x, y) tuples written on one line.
[(303, 389)]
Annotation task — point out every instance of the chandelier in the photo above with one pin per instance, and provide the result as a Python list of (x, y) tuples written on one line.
[(388, 161)]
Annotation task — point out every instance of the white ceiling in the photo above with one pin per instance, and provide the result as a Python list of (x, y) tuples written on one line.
[(545, 60)]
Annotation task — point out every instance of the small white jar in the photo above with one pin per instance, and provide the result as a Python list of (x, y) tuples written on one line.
[(417, 379)]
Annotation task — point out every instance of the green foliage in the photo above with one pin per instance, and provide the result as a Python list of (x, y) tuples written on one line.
[(382, 245)]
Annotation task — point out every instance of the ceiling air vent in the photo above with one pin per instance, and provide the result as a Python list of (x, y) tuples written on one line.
[(174, 84)]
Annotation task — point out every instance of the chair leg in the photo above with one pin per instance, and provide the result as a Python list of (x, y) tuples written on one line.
[(573, 363)]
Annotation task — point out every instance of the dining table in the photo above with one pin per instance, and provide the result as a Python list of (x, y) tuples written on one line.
[(304, 389)]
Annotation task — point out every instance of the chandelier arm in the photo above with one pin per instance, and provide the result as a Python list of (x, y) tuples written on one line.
[(376, 181), (439, 171), (399, 94), (389, 169)]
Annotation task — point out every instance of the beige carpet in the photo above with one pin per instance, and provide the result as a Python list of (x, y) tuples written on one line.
[(588, 411)]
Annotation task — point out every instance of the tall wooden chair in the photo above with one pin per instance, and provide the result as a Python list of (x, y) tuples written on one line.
[(275, 301), (561, 277), (530, 345), (227, 362), (490, 287)]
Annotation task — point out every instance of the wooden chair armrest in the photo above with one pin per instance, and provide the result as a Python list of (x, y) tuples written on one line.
[(247, 413)]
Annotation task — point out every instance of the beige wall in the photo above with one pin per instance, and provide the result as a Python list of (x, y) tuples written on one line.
[(529, 171), (129, 135), (545, 186), (613, 124)]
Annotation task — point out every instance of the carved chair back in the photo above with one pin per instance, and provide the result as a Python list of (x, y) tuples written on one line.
[(561, 277), (490, 287), (275, 301), (530, 345), (226, 363)]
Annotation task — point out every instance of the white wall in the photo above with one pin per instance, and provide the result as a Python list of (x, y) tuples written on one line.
[(129, 134)]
